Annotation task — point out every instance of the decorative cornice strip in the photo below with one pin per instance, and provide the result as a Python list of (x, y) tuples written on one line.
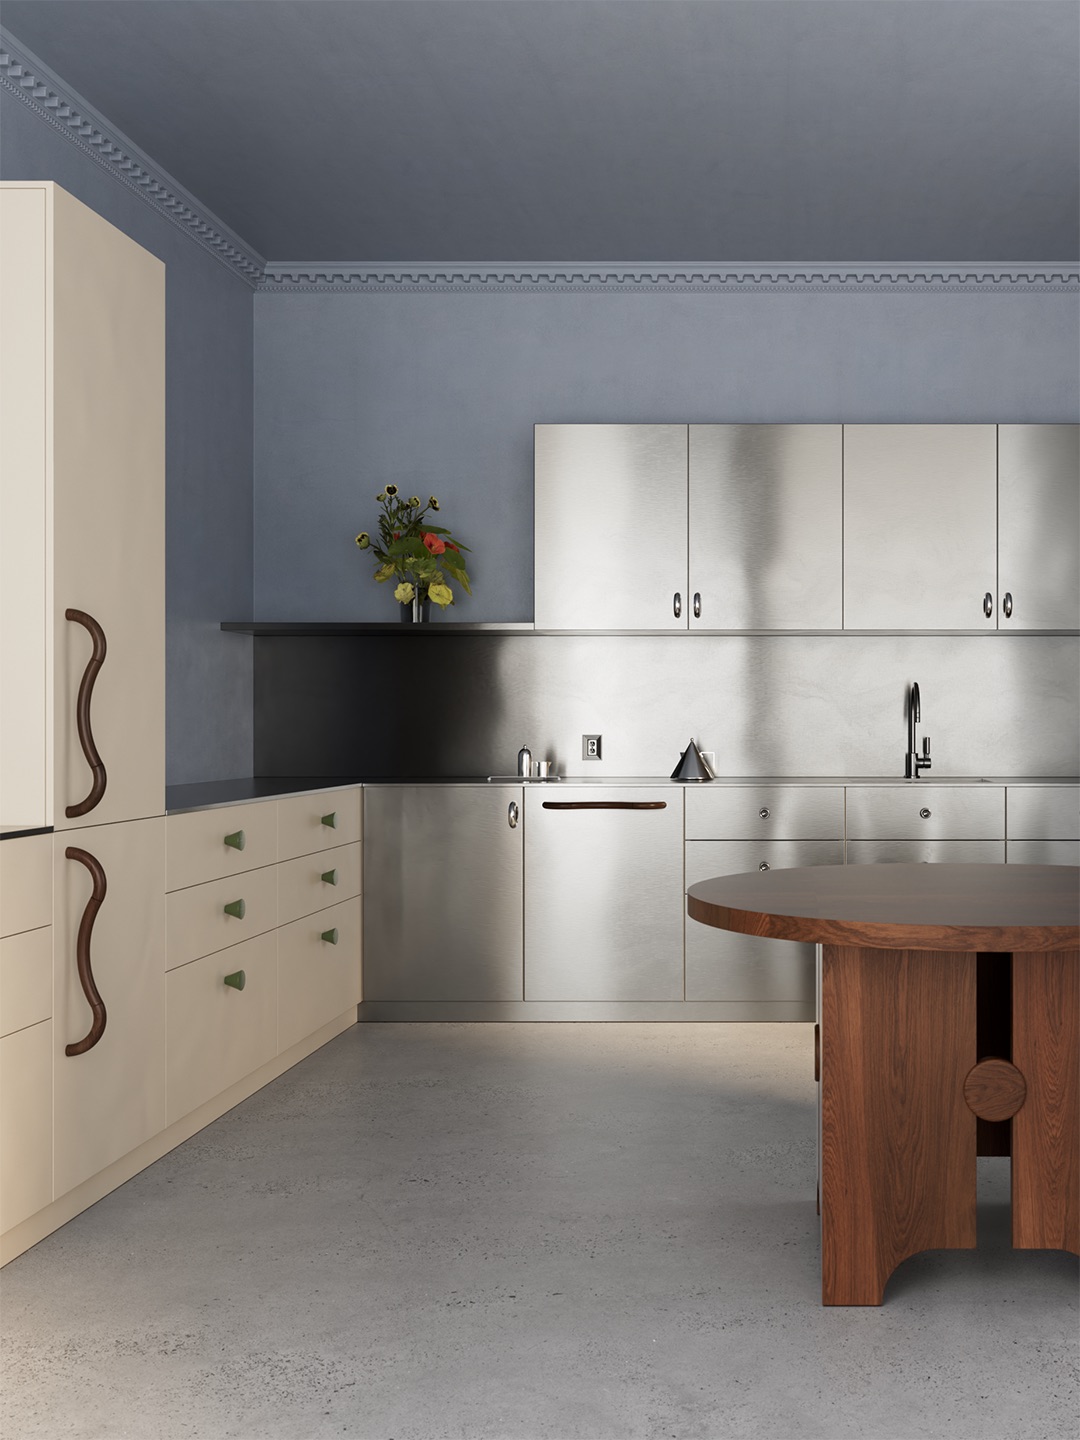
[(31, 80), (306, 277)]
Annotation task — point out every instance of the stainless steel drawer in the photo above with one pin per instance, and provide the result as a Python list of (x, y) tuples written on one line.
[(925, 812), (914, 852), (721, 965), (1043, 812), (1043, 852), (771, 812)]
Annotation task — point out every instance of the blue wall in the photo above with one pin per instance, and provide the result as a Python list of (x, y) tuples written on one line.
[(439, 392), (209, 559)]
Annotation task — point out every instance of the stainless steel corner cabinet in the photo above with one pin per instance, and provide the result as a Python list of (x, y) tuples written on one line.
[(443, 902), (742, 524)]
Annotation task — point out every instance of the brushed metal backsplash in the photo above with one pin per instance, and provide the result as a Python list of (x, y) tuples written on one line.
[(424, 704)]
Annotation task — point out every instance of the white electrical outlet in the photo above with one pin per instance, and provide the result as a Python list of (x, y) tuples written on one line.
[(590, 747)]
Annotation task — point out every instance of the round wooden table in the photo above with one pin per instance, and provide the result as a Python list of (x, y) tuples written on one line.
[(948, 1027)]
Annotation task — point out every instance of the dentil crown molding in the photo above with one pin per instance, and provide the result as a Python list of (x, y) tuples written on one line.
[(305, 277), (31, 80)]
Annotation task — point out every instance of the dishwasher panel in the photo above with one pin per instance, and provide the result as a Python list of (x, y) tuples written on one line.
[(604, 893)]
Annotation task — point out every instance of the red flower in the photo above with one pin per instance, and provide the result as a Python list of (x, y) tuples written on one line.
[(433, 543), (451, 546)]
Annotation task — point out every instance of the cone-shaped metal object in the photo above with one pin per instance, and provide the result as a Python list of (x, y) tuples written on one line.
[(692, 765)]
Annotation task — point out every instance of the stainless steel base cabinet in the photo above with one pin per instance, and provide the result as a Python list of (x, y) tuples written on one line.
[(721, 965), (442, 893), (603, 893)]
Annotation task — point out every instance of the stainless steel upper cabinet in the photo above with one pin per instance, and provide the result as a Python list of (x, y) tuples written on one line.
[(1039, 527), (442, 893), (610, 538), (766, 527), (920, 527), (603, 893)]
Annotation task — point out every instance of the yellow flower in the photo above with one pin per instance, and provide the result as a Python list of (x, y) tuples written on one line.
[(404, 592), (415, 502), (381, 496), (391, 489), (433, 502), (363, 540), (441, 594), (384, 572)]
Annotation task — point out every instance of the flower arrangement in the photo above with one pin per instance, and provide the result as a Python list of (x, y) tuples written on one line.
[(422, 557)]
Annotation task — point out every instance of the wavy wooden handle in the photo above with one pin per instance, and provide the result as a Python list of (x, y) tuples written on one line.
[(82, 951), (82, 714), (604, 804)]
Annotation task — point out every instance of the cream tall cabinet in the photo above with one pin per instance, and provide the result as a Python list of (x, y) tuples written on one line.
[(82, 689), (82, 516)]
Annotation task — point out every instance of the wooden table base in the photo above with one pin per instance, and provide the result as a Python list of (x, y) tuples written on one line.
[(900, 1033)]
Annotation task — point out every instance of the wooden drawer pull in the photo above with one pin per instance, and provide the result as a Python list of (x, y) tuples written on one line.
[(329, 877), (82, 951), (82, 714), (237, 980), (994, 1089), (330, 820), (236, 908), (330, 936), (235, 841)]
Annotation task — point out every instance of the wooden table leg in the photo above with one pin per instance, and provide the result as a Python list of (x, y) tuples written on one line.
[(1046, 1130), (898, 1036)]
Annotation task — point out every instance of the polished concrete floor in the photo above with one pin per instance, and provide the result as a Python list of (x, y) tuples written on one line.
[(520, 1232)]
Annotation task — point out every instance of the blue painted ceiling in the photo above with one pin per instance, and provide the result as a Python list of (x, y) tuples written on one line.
[(609, 130)]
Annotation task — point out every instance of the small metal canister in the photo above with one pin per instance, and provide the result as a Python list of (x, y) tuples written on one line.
[(524, 760)]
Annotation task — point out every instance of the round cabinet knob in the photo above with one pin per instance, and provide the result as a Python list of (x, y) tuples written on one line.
[(764, 865), (924, 814), (235, 841), (764, 812), (236, 908), (237, 980)]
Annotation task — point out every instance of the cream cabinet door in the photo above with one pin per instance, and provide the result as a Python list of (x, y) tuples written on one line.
[(110, 1098), (25, 1123), (108, 406), (1039, 527)]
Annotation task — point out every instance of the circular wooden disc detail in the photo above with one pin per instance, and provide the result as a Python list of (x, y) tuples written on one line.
[(994, 1089)]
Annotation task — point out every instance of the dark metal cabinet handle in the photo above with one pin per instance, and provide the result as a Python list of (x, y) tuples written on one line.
[(512, 813), (604, 804), (82, 714), (697, 605), (1006, 605), (676, 605), (82, 951), (988, 604)]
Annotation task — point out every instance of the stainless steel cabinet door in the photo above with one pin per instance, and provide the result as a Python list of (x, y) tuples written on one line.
[(610, 536), (603, 894), (1039, 527), (721, 965), (913, 852), (442, 892), (920, 527), (766, 527)]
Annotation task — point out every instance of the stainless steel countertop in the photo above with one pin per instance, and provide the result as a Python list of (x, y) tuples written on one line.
[(217, 793)]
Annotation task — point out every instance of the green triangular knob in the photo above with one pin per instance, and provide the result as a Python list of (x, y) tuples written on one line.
[(329, 877), (330, 819), (237, 979), (235, 841), (236, 908), (330, 936)]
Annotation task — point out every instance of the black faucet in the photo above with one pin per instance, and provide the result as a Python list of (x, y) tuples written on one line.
[(915, 762)]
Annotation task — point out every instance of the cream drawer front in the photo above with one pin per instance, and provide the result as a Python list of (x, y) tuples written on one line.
[(322, 821), (215, 1033), (1043, 812), (26, 1128), (25, 883), (766, 812), (210, 844), (918, 811), (1043, 852), (25, 979), (913, 852), (312, 882), (318, 979), (198, 922)]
